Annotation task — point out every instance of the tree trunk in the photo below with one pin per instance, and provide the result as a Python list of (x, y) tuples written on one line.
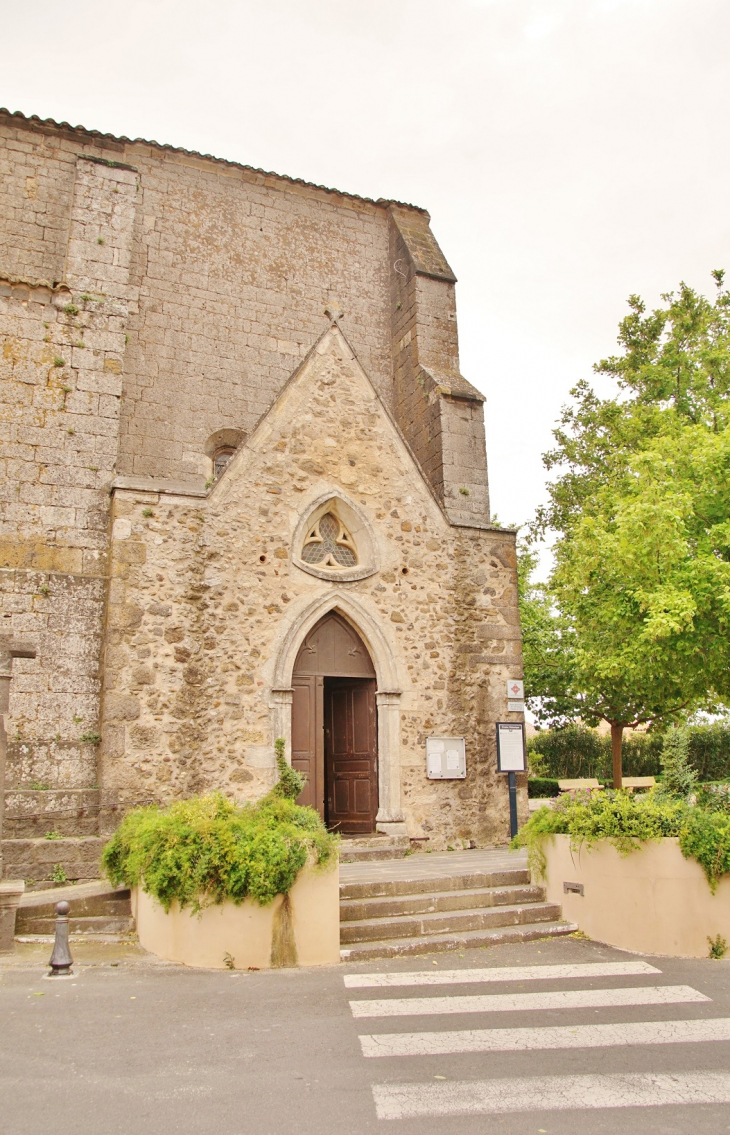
[(617, 733)]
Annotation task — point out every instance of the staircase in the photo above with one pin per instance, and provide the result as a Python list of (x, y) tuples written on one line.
[(444, 901), (70, 817), (97, 909)]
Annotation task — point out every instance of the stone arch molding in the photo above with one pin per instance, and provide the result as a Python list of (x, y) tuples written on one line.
[(356, 524), (390, 816), (381, 653)]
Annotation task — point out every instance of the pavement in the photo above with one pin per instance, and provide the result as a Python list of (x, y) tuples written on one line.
[(434, 1045)]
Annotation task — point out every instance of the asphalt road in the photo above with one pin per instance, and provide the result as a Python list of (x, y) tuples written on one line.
[(138, 1047)]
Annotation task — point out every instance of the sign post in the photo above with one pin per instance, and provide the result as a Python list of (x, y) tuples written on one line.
[(511, 758)]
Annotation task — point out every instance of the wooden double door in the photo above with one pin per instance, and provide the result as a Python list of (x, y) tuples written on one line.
[(334, 727)]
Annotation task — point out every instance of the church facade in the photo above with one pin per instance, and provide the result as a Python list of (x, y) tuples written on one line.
[(245, 498)]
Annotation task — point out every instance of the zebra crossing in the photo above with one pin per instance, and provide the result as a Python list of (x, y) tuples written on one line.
[(500, 1095)]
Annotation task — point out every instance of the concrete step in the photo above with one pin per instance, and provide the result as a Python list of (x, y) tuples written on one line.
[(36, 859), (430, 884), (454, 922), (352, 910), (96, 908), (86, 926), (32, 813), (368, 849), (440, 943)]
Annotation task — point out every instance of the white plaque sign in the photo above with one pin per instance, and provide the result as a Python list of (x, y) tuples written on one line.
[(511, 746), (516, 689), (445, 758)]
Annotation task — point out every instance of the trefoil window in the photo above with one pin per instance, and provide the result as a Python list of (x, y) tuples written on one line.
[(329, 544)]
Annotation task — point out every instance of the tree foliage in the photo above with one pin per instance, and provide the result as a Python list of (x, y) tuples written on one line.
[(633, 625)]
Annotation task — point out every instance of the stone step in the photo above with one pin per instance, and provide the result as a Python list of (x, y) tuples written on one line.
[(454, 922), (429, 884), (35, 859), (352, 910), (96, 908), (369, 849), (31, 813), (369, 854), (440, 943), (85, 926)]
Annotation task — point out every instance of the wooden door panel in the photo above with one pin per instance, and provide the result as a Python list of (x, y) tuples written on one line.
[(303, 742), (362, 804), (350, 754)]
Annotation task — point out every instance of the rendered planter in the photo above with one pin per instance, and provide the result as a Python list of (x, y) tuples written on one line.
[(652, 901), (303, 929)]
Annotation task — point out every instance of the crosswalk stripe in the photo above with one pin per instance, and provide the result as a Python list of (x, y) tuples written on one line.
[(550, 1093), (511, 1002), (508, 973), (522, 1040)]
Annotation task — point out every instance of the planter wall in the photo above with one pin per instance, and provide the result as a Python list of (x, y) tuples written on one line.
[(653, 900), (305, 930)]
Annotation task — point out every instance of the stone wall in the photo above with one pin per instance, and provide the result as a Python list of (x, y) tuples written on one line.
[(149, 299), (204, 595)]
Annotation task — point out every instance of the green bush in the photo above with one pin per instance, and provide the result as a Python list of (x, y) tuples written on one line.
[(679, 777), (541, 787), (709, 750), (576, 751), (627, 821), (290, 782), (205, 850)]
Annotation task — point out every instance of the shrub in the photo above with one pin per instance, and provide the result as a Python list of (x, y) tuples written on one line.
[(573, 751), (205, 850), (290, 782), (542, 787), (576, 751), (679, 778), (709, 750), (705, 836), (627, 821)]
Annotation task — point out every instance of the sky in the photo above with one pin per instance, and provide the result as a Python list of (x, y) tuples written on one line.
[(570, 152)]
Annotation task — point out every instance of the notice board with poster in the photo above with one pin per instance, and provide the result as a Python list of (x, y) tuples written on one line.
[(511, 751), (445, 758)]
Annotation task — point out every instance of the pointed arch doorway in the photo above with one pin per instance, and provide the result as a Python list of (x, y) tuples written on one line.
[(334, 726)]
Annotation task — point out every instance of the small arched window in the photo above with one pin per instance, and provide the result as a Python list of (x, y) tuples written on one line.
[(221, 457), (329, 544)]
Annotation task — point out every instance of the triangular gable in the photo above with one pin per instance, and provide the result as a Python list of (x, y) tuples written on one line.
[(332, 361)]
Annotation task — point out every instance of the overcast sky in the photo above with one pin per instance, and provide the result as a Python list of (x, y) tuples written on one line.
[(570, 152)]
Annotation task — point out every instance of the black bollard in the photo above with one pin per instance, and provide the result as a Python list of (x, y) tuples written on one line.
[(61, 960)]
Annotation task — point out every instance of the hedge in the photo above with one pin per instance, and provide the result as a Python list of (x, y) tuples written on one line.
[(628, 822), (576, 751), (542, 787)]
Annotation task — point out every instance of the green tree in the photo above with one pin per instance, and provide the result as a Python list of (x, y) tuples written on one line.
[(548, 648), (641, 509)]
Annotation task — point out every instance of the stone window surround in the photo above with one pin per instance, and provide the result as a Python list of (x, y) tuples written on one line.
[(390, 817), (224, 441), (356, 524)]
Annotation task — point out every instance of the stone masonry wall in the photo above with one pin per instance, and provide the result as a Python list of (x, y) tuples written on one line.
[(439, 411), (60, 392), (148, 299), (203, 593)]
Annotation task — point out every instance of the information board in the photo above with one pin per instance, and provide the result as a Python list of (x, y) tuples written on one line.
[(445, 758), (511, 754)]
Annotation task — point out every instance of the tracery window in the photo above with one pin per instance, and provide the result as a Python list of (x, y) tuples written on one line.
[(329, 544)]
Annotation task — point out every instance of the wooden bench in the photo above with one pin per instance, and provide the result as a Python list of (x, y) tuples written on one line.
[(632, 782), (589, 783)]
